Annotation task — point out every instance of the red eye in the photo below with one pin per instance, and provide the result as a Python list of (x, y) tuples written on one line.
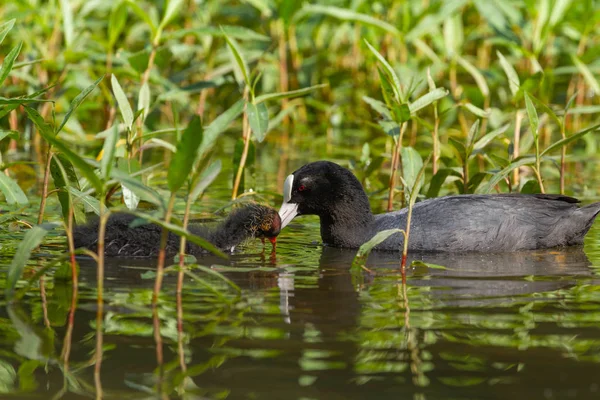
[(301, 188)]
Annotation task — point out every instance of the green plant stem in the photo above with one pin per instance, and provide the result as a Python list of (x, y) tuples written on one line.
[(160, 269), (394, 168), (44, 194), (516, 144), (186, 219), (69, 232), (100, 298), (240, 171)]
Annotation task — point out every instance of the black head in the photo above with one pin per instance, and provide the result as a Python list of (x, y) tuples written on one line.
[(322, 188)]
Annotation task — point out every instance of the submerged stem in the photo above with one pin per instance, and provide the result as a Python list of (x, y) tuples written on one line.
[(160, 269)]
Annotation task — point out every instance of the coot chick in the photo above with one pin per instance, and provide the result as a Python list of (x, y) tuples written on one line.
[(122, 239), (490, 223)]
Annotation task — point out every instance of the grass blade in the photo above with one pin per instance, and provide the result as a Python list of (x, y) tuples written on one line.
[(8, 62), (11, 190), (33, 238), (567, 140), (258, 117), (122, 101), (5, 28), (287, 95), (513, 79), (185, 155), (78, 100)]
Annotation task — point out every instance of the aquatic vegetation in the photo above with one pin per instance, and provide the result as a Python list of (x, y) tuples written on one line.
[(190, 107)]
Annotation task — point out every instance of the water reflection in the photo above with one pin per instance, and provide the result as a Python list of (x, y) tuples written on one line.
[(306, 326)]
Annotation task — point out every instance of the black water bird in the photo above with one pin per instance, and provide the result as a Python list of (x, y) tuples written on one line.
[(128, 236), (486, 223)]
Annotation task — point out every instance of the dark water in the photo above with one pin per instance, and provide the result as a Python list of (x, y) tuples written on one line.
[(510, 326)]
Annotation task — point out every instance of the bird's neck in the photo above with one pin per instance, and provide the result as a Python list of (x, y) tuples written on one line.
[(349, 224)]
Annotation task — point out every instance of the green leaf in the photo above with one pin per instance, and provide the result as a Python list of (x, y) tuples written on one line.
[(78, 100), (170, 12), (378, 106), (513, 79), (67, 17), (64, 176), (477, 111), (475, 74), (438, 180), (587, 74), (237, 32), (5, 28), (212, 132), (11, 190), (205, 179), (108, 152), (122, 101), (116, 22), (366, 248), (8, 133), (567, 140), (130, 167), (137, 9), (144, 100), (549, 112), (532, 115), (349, 15), (43, 127), (184, 157), (287, 95), (8, 62), (136, 186), (472, 135), (240, 65), (86, 170), (401, 112), (498, 176), (258, 117), (488, 137), (389, 73), (427, 99), (411, 164), (453, 35), (33, 238), (91, 203)]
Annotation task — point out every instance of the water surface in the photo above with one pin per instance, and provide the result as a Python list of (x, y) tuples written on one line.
[(305, 326)]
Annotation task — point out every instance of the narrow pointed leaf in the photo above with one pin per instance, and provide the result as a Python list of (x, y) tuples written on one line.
[(498, 176), (33, 238), (258, 117), (108, 152), (5, 28), (184, 157), (567, 140), (11, 190), (122, 101), (287, 95), (212, 132), (78, 100), (205, 179), (427, 99), (239, 62), (389, 72), (8, 62), (349, 15), (513, 79)]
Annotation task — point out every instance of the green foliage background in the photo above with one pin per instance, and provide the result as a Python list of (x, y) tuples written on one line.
[(173, 61)]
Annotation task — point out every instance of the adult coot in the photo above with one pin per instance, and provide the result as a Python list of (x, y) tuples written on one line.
[(124, 239), (492, 223)]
